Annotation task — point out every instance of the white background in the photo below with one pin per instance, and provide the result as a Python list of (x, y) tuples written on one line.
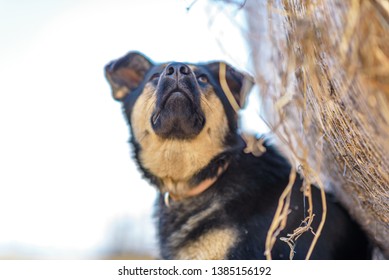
[(99, 270)]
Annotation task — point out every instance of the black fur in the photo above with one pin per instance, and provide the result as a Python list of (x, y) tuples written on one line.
[(248, 190)]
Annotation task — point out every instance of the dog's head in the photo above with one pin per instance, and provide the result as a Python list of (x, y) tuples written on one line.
[(180, 114)]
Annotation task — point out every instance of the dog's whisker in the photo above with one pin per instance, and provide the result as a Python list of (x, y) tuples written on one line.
[(206, 102)]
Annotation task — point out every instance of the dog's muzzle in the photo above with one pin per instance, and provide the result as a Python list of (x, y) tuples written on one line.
[(177, 113)]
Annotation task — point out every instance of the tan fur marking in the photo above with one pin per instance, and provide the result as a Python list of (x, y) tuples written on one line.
[(121, 92), (178, 160), (213, 245), (180, 234)]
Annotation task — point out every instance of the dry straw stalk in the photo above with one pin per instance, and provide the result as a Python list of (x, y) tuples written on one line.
[(323, 71)]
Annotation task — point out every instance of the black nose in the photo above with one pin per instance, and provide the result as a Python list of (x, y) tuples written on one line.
[(176, 69)]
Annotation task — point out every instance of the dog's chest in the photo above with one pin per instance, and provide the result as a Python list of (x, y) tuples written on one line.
[(196, 236), (212, 245)]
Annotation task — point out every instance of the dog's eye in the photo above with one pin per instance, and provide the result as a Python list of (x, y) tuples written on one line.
[(154, 76), (202, 79)]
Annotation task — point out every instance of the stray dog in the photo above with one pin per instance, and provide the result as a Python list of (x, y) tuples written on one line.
[(216, 201)]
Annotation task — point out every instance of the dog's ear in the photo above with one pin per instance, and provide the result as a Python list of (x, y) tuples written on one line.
[(126, 73), (235, 84)]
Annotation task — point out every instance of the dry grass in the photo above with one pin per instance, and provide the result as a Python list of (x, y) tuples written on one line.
[(328, 98)]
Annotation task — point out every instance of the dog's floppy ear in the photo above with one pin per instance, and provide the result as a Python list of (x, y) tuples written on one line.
[(236, 85), (126, 73)]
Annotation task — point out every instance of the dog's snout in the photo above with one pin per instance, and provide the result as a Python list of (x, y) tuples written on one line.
[(178, 113), (177, 70)]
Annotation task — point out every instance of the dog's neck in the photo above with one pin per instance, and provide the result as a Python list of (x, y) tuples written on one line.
[(190, 176), (201, 180), (191, 191)]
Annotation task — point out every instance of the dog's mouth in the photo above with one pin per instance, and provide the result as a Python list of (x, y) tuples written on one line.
[(178, 116), (177, 112)]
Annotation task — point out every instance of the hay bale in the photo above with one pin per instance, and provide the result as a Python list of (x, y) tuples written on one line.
[(323, 72)]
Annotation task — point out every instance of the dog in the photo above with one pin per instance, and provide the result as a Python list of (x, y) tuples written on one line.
[(216, 201)]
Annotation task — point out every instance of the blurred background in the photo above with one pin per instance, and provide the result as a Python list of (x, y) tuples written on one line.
[(69, 188)]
